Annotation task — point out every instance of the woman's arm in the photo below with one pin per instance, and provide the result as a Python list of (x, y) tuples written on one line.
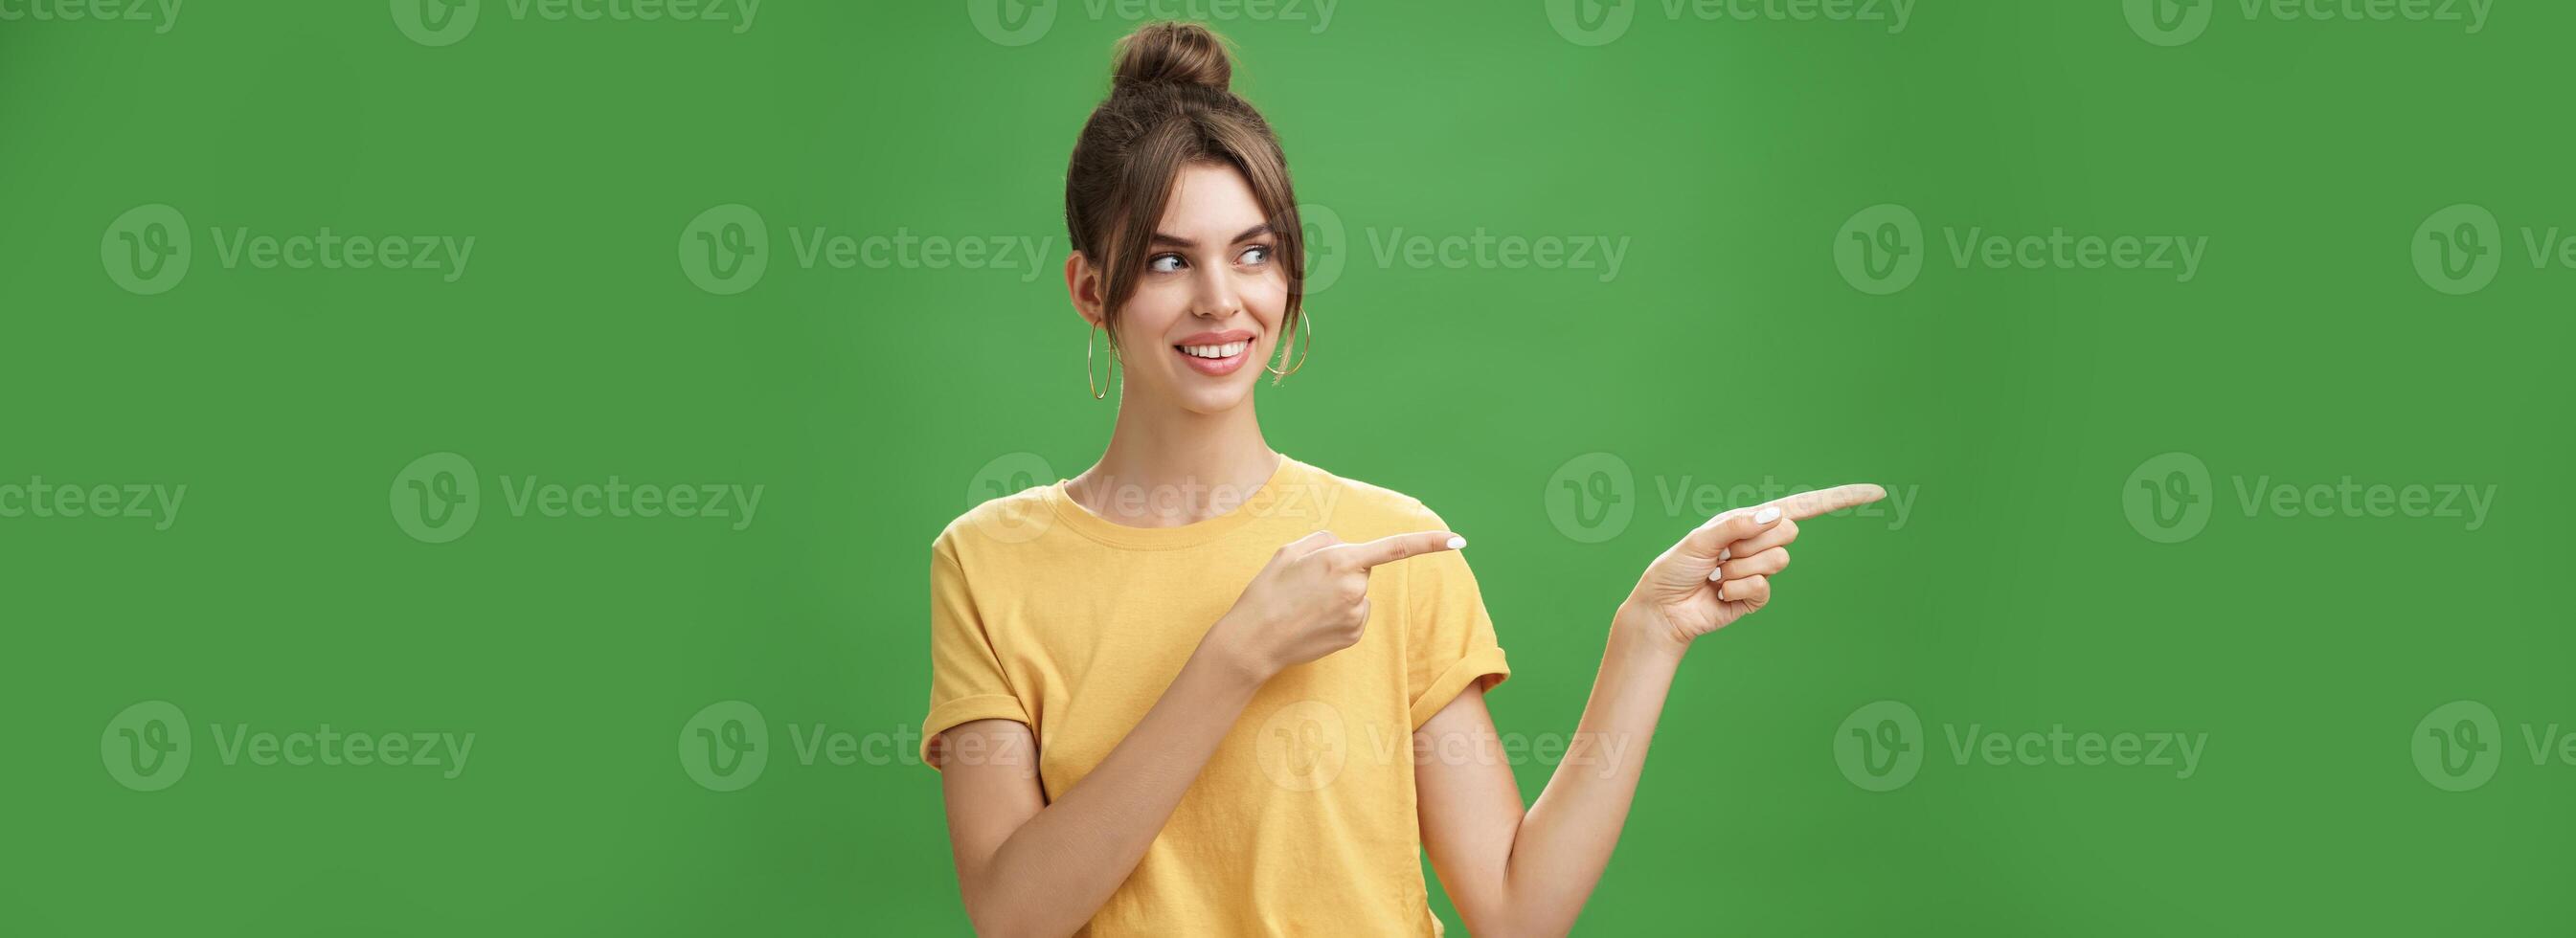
[(1515, 872), (1511, 873), (1026, 867), (1029, 868)]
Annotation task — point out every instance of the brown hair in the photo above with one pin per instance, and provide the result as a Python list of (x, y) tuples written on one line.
[(1168, 107)]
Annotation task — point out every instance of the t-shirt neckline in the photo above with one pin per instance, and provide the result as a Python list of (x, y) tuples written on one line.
[(1257, 505)]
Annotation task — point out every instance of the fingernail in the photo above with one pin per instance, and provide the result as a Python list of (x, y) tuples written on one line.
[(1766, 515), (1456, 542), (1715, 576), (1725, 554)]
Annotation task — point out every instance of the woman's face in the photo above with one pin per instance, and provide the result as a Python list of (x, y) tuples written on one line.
[(1207, 308)]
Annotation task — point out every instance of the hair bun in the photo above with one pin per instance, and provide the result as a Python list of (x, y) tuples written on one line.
[(1173, 53)]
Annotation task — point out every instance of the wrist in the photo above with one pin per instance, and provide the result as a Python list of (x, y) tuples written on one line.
[(1638, 629), (1226, 655)]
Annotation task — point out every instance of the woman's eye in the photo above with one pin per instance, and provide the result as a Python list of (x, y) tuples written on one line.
[(1163, 263), (1256, 254)]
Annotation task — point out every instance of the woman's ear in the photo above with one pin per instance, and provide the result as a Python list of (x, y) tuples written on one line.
[(1083, 281)]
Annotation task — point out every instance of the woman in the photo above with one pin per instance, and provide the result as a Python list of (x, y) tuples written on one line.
[(1206, 689)]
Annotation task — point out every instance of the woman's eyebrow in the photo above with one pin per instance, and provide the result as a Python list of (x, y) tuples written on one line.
[(1178, 241)]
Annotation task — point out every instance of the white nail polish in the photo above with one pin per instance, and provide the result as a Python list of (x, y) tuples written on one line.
[(1713, 575), (1766, 515), (1725, 554), (1457, 542)]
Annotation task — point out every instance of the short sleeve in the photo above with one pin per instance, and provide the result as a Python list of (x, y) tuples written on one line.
[(1450, 640), (966, 680)]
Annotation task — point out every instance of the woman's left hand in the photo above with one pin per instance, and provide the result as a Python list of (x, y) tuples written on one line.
[(1722, 571)]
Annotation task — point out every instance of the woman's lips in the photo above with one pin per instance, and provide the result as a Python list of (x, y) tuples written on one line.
[(1213, 359), (1215, 354)]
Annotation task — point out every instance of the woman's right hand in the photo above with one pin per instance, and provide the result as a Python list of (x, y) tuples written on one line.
[(1311, 599)]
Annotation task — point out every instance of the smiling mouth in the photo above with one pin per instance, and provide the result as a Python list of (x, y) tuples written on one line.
[(1216, 354), (1227, 350)]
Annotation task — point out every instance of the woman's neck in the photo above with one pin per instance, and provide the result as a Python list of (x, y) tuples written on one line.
[(1167, 467)]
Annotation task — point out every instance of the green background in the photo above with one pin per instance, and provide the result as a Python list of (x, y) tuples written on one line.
[(2011, 405)]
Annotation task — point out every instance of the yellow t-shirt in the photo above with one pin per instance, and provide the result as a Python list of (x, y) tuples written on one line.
[(1303, 821)]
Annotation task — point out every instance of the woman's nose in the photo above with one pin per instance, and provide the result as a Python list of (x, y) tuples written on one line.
[(1218, 298)]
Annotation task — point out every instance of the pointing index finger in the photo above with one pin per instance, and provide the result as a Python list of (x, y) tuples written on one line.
[(1386, 550), (1806, 505)]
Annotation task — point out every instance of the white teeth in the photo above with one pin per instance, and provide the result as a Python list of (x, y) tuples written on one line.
[(1228, 350)]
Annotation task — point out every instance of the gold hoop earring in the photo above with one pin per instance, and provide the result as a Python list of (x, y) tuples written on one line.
[(1307, 326), (1107, 375)]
